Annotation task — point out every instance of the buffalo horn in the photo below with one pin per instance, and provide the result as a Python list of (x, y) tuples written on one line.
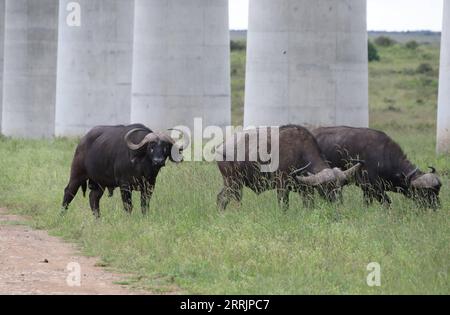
[(411, 174), (185, 138), (358, 161), (148, 138), (352, 171), (300, 169), (320, 178)]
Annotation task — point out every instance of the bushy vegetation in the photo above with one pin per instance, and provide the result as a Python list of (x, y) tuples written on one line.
[(186, 245), (238, 45), (424, 68), (373, 52), (412, 44), (384, 41)]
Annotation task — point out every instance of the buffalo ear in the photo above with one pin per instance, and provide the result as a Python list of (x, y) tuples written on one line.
[(176, 154), (137, 156)]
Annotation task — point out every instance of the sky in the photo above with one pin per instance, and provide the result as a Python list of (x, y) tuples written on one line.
[(382, 15)]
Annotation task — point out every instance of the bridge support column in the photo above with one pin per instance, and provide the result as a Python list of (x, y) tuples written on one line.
[(181, 63), (94, 65), (443, 123), (307, 63), (2, 47), (29, 81)]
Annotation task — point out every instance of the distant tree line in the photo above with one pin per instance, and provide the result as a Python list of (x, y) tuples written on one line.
[(238, 45), (380, 41)]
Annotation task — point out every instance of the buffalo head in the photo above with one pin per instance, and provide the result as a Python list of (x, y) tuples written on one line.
[(329, 181), (155, 148), (425, 187)]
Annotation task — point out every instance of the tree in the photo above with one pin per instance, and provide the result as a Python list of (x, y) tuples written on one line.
[(373, 53)]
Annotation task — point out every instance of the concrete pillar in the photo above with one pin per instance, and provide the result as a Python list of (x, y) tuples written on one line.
[(2, 47), (181, 66), (94, 65), (307, 63), (29, 81), (443, 123)]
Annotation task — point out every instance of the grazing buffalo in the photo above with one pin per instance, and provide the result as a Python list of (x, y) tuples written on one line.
[(128, 157), (301, 167), (386, 167)]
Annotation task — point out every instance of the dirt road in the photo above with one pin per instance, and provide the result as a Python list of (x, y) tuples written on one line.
[(32, 262)]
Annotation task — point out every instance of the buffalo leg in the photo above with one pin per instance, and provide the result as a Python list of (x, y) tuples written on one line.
[(126, 199), (340, 196), (308, 197), (283, 198), (145, 202), (77, 178), (231, 190), (378, 194), (236, 194), (383, 198), (434, 201), (368, 197), (94, 201), (223, 198), (110, 191), (283, 187), (146, 195), (69, 193)]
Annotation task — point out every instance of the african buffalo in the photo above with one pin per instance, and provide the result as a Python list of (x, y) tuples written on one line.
[(128, 157), (298, 153), (386, 167)]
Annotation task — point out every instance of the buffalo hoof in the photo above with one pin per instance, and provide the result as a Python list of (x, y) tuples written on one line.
[(63, 211)]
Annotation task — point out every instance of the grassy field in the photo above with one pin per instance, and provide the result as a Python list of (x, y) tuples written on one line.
[(186, 245)]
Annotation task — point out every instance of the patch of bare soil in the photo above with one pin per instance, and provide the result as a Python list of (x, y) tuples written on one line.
[(32, 262)]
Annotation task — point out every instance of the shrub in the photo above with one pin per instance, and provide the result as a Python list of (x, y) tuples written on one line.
[(409, 71), (384, 41), (424, 68), (238, 45), (412, 44), (373, 53)]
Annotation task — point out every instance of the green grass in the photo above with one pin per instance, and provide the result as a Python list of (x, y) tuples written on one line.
[(237, 86), (186, 245), (400, 96)]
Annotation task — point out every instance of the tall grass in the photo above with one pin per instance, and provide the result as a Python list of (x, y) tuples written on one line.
[(185, 243)]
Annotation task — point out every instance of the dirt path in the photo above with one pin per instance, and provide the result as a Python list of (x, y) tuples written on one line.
[(32, 262)]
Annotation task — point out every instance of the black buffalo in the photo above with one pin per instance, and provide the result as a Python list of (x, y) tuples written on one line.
[(128, 157), (386, 166), (301, 167)]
